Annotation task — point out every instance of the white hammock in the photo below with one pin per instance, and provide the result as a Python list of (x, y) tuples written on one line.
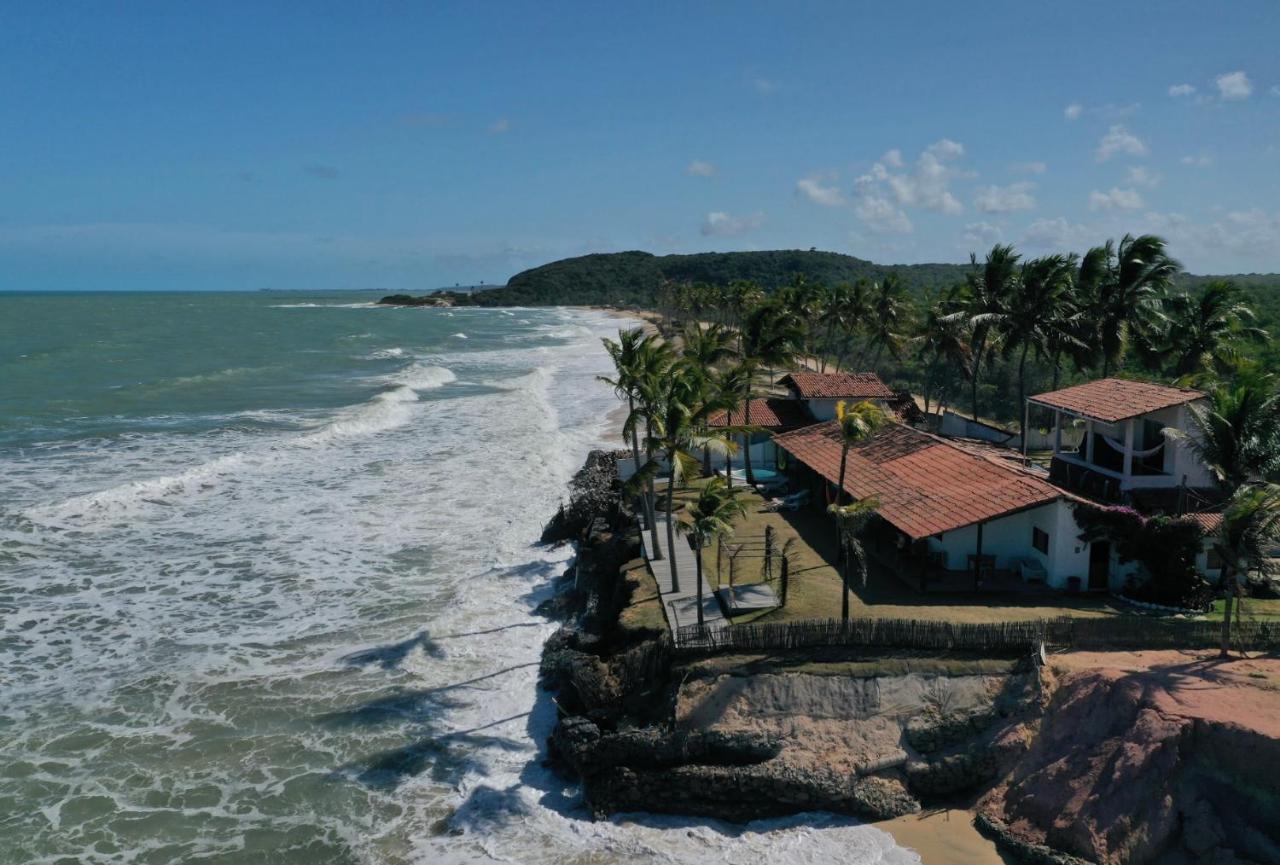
[(1119, 446)]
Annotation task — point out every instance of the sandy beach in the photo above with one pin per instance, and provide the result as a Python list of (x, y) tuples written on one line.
[(944, 836)]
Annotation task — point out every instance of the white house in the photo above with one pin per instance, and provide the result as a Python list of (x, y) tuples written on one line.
[(955, 512), (820, 391)]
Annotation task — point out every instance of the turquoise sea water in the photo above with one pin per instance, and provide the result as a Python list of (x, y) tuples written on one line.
[(267, 580)]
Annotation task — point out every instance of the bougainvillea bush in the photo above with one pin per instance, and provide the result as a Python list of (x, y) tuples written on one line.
[(1164, 548)]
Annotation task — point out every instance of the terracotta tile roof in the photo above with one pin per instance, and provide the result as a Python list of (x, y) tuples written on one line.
[(925, 484), (837, 385), (1210, 522), (769, 413), (1114, 399)]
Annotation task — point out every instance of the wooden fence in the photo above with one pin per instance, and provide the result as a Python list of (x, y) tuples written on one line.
[(1121, 632)]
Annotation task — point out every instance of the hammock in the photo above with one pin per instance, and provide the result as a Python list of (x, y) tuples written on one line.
[(1119, 446)]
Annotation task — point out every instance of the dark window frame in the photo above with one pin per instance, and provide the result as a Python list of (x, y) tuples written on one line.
[(1040, 540)]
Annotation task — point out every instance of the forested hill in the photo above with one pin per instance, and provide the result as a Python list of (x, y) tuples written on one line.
[(633, 278)]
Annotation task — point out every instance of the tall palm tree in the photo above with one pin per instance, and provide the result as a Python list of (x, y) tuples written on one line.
[(852, 312), (1128, 282), (1250, 529), (654, 360), (851, 520), (1203, 331), (856, 424), (684, 403), (940, 341), (706, 347), (770, 337), (631, 356), (1040, 294), (982, 306), (710, 516), (886, 323), (1236, 435)]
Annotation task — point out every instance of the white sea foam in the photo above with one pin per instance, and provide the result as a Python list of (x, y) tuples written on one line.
[(384, 353), (460, 336), (322, 640), (367, 305), (424, 376)]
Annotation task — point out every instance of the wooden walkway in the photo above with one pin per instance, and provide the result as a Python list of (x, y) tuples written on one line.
[(681, 607)]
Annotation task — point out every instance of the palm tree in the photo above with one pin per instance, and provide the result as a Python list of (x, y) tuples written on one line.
[(1203, 330), (982, 305), (940, 340), (854, 313), (1250, 529), (1037, 302), (1237, 434), (1127, 283), (889, 311), (851, 519), (856, 424), (769, 338), (684, 402), (706, 347), (654, 360), (711, 516), (631, 358)]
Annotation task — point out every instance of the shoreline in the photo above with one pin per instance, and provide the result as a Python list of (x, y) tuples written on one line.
[(944, 836)]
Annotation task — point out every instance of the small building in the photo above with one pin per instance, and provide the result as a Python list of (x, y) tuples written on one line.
[(953, 511), (768, 416), (1124, 447), (820, 391)]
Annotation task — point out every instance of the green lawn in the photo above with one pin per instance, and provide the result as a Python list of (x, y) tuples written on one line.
[(815, 587), (1254, 608)]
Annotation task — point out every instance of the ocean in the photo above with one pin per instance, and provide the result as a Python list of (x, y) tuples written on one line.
[(268, 568)]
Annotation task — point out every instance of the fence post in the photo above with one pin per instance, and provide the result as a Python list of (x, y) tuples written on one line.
[(784, 566)]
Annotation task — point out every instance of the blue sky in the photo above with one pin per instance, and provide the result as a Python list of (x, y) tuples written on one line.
[(340, 145)]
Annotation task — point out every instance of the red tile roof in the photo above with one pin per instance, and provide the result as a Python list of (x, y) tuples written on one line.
[(925, 485), (770, 413), (1115, 399), (1210, 522), (837, 385)]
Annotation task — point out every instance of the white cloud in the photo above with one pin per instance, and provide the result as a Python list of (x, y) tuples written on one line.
[(1254, 234), (982, 233), (699, 168), (1234, 86), (1199, 161), (813, 189), (1073, 111), (1119, 140), (944, 149), (1182, 90), (882, 194), (882, 215), (1116, 199), (720, 224), (1140, 175), (1056, 234), (1005, 199), (500, 126), (1028, 168)]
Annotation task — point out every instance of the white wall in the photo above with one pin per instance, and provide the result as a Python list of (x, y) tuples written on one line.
[(825, 409), (1009, 539), (955, 425)]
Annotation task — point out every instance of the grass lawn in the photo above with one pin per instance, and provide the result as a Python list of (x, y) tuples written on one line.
[(814, 591), (642, 615), (1254, 608), (858, 664)]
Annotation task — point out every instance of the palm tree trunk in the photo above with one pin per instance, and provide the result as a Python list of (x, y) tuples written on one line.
[(653, 497), (698, 547), (671, 522), (973, 383), (1022, 395), (1057, 368), (635, 454), (844, 458), (1227, 595), (844, 588), (746, 436)]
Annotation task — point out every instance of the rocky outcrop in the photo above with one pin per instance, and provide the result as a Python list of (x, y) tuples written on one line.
[(1116, 775), (594, 494)]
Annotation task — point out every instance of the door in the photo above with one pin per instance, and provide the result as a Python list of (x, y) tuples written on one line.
[(1099, 565)]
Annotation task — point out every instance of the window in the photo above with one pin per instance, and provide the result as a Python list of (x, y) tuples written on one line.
[(1040, 540), (1214, 562)]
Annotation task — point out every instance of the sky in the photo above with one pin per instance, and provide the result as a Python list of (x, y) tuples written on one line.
[(185, 145)]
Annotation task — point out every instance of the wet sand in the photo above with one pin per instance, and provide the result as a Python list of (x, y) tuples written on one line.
[(944, 837)]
